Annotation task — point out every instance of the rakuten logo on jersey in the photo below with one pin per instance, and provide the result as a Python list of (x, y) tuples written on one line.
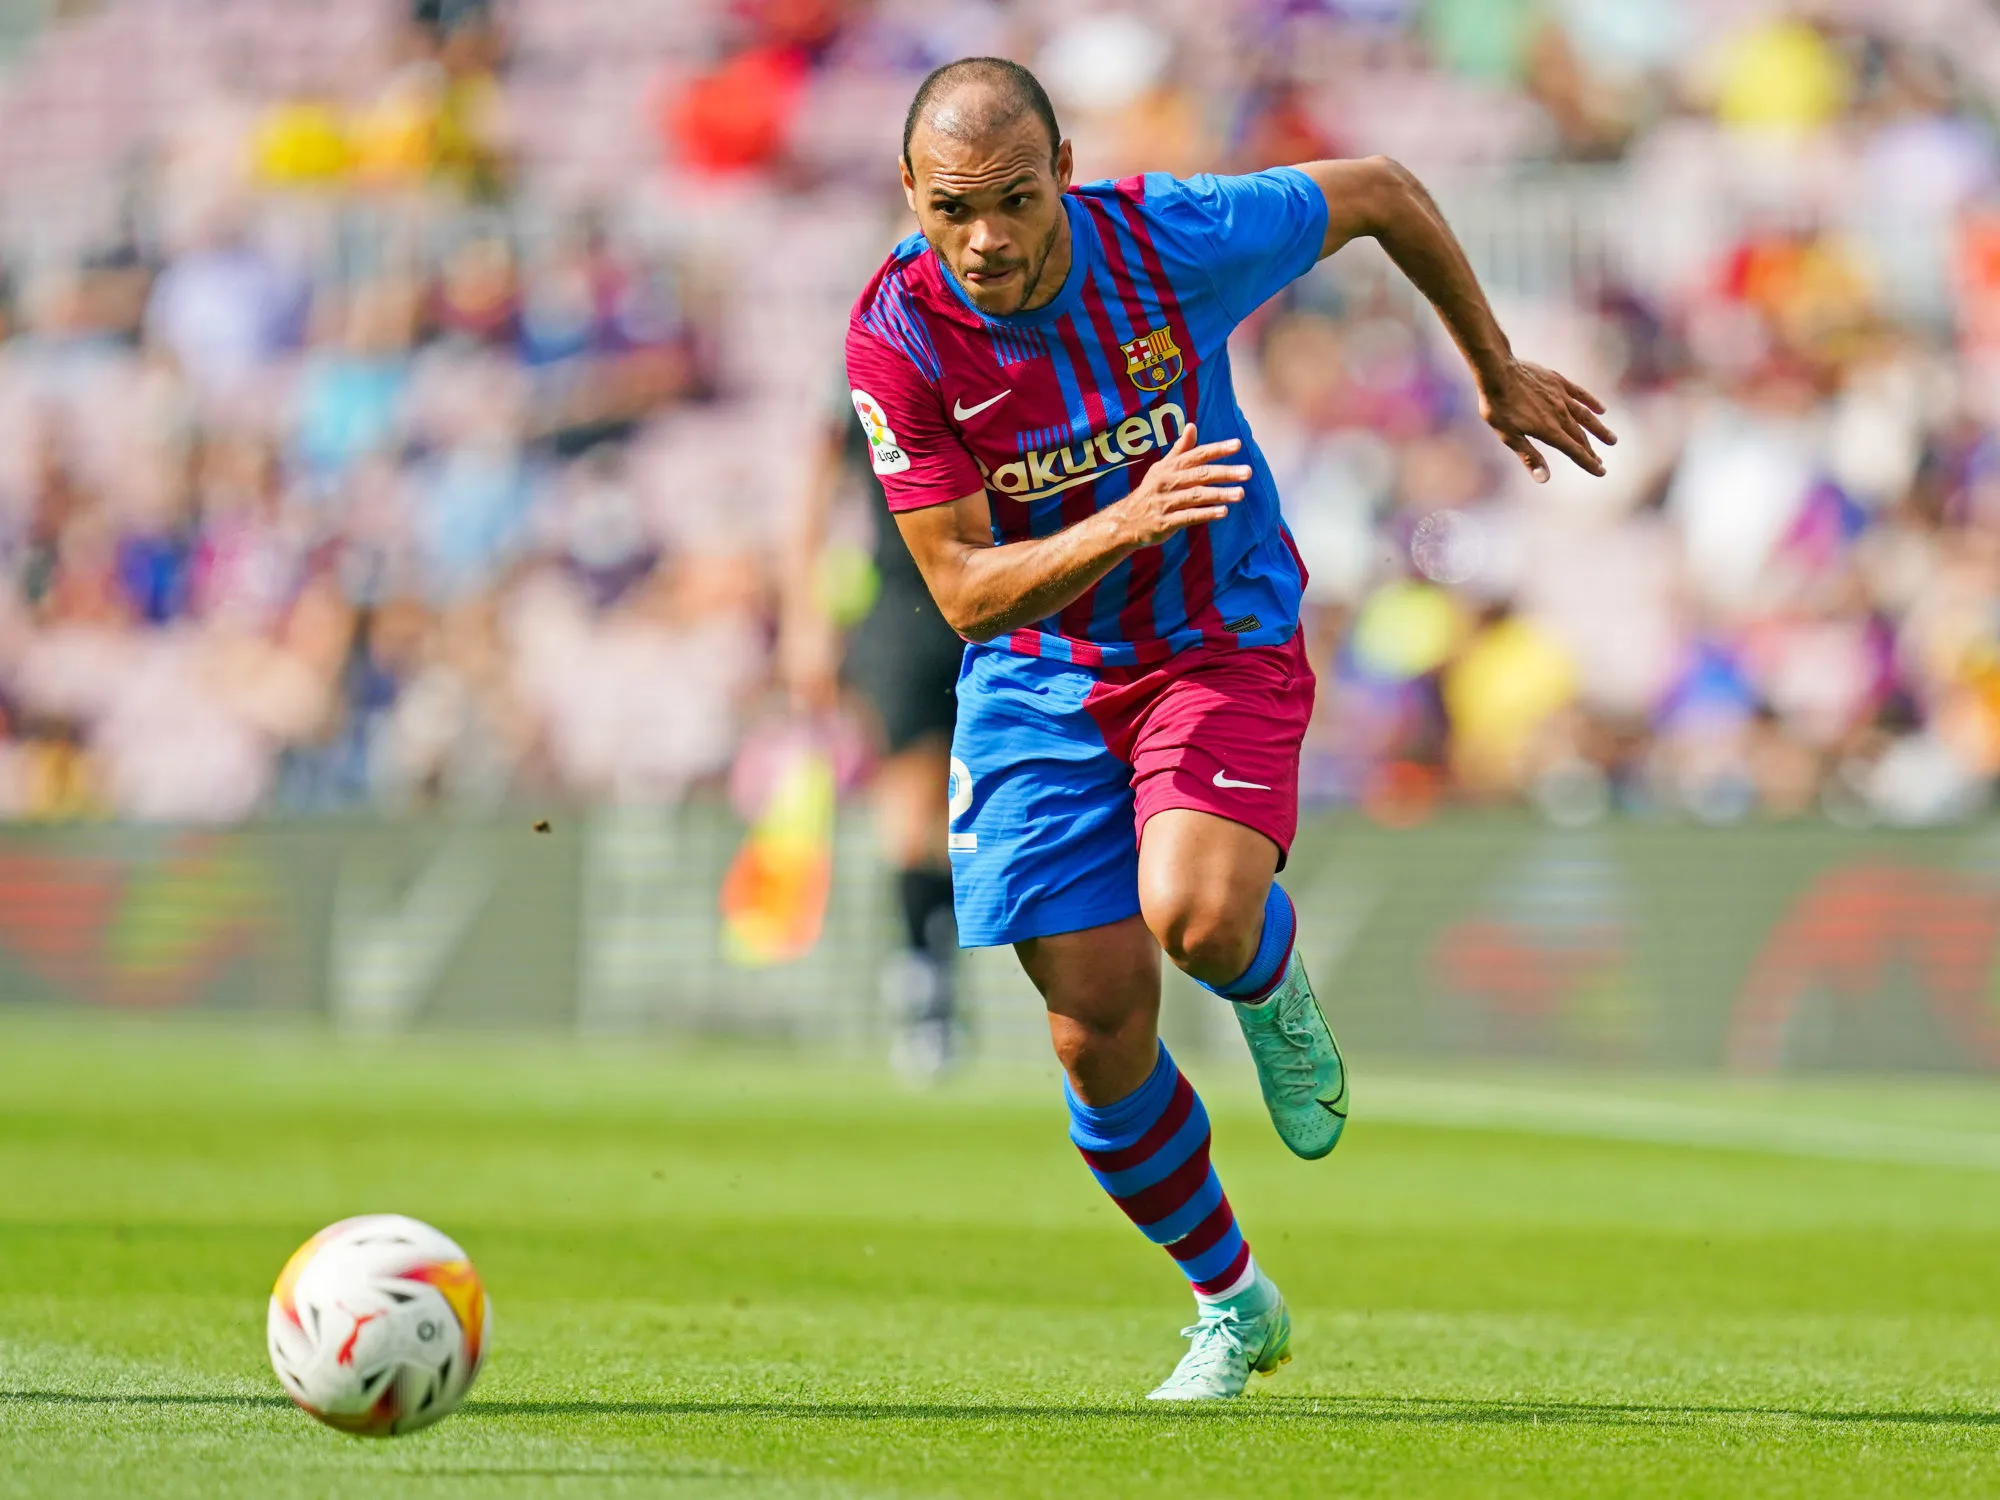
[(1037, 475)]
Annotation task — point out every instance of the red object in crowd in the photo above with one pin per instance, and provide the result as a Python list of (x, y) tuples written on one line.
[(810, 25), (739, 117), (1979, 280), (1282, 131)]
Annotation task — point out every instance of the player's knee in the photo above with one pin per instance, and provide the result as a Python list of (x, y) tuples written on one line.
[(1081, 1045), (1202, 934)]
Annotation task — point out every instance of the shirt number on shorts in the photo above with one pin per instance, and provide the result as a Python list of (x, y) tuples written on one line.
[(958, 801)]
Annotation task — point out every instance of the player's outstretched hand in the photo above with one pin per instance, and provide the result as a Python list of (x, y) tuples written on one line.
[(1185, 488), (1532, 402)]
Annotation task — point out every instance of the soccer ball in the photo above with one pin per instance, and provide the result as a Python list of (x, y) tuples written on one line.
[(378, 1325)]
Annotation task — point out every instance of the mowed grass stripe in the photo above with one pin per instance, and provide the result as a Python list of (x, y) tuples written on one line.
[(1467, 1105), (742, 1275)]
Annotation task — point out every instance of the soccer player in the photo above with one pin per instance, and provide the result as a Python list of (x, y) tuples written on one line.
[(1043, 376)]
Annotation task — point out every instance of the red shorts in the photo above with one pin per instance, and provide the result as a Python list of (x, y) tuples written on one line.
[(1214, 729)]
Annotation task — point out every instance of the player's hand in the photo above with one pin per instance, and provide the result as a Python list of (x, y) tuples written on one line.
[(1531, 402), (1187, 487)]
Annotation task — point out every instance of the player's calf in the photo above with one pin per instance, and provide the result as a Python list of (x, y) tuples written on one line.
[(1150, 1151), (1102, 990)]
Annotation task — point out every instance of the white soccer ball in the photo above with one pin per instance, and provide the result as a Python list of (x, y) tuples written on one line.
[(378, 1325)]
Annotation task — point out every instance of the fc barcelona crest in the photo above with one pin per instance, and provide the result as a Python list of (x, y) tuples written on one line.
[(1154, 361)]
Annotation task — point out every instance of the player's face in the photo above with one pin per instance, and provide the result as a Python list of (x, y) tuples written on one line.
[(992, 209)]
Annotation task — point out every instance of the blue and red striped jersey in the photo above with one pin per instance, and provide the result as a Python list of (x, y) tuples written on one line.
[(1058, 412)]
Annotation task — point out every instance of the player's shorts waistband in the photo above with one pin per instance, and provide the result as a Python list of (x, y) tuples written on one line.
[(1118, 660)]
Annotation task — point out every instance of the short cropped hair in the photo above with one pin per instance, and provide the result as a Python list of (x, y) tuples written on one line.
[(1018, 92)]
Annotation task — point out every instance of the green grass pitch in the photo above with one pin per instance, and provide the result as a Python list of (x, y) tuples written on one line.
[(733, 1275)]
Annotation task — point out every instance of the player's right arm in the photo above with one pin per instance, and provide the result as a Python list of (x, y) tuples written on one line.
[(986, 590), (938, 497)]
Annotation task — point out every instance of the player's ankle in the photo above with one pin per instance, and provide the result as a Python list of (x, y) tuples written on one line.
[(1254, 1294)]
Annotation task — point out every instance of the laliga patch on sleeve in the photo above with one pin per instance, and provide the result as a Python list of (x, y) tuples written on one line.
[(885, 453)]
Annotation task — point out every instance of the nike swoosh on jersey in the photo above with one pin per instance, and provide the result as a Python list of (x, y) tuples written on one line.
[(1224, 780), (961, 411)]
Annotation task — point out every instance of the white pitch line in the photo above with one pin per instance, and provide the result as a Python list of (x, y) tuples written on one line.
[(1484, 1106)]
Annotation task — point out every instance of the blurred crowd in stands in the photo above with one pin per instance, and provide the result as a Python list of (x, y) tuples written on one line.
[(405, 406)]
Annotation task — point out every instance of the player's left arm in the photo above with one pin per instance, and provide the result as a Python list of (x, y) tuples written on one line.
[(1376, 198)]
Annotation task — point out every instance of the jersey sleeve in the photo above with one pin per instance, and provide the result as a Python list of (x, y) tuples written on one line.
[(1263, 230), (918, 458)]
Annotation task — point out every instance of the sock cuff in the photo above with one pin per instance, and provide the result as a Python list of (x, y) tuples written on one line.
[(1129, 1116), (1231, 1285), (1274, 950)]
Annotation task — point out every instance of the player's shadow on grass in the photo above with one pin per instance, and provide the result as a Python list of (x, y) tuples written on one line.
[(1423, 1410)]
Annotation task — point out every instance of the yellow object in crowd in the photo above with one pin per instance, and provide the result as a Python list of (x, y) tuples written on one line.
[(300, 144), (465, 127), (1407, 629), (395, 138), (1783, 76), (58, 783), (1503, 688)]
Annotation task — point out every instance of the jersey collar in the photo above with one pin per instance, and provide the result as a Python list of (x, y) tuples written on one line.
[(1082, 248)]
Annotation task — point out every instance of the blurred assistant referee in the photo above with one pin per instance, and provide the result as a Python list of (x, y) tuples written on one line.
[(903, 660)]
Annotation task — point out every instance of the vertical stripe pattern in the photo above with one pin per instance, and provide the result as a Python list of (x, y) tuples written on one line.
[(901, 324), (1120, 347), (1197, 615)]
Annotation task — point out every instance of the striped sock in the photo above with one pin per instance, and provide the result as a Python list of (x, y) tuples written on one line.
[(1273, 955), (1149, 1151)]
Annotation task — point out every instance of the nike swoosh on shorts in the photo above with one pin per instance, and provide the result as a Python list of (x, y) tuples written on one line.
[(960, 411), (1224, 780)]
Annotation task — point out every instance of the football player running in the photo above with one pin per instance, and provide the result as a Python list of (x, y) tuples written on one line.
[(1042, 374)]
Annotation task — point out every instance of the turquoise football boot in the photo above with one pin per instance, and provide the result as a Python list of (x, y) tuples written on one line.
[(1227, 1346), (1298, 1064)]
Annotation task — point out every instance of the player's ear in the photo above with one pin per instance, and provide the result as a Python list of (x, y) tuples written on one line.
[(909, 182), (1065, 166)]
